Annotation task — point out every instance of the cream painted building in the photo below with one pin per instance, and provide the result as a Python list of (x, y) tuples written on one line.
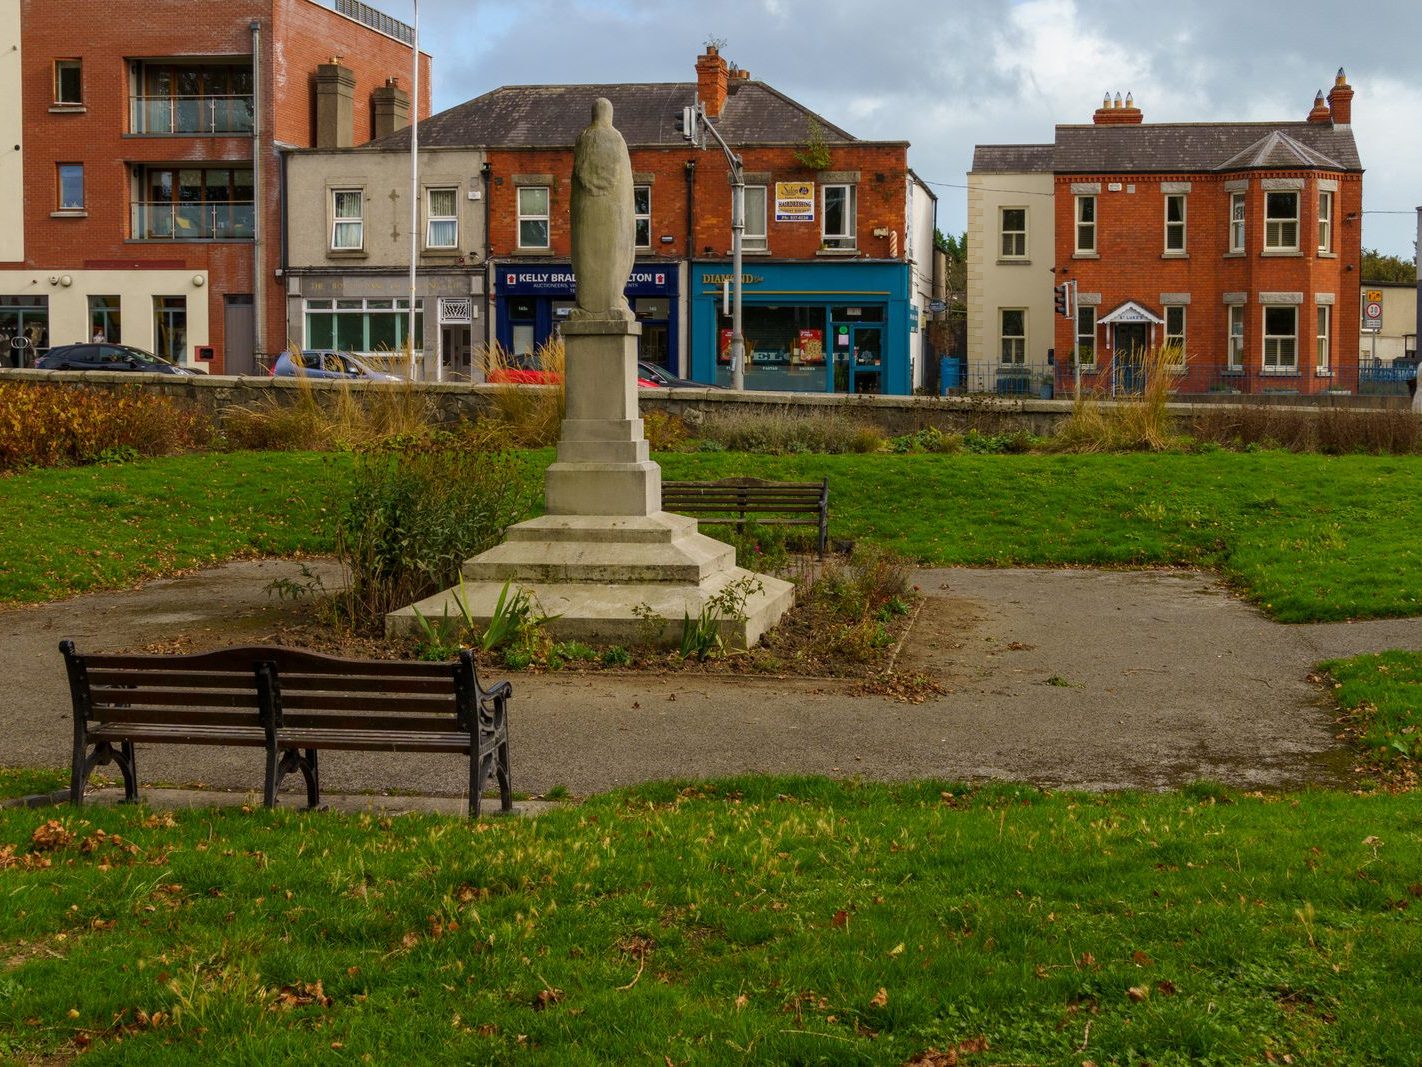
[(12, 137), (348, 254), (1011, 252), (1398, 336)]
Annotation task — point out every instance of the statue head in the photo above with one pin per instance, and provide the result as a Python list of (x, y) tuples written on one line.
[(602, 111)]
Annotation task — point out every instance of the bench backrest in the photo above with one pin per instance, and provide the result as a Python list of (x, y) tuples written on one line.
[(283, 687), (746, 494)]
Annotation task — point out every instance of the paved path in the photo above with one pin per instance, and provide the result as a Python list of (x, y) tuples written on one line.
[(1080, 678)]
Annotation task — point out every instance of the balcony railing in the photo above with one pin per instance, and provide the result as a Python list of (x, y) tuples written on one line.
[(167, 221), (162, 116)]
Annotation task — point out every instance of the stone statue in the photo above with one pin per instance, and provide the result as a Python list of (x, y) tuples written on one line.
[(602, 219)]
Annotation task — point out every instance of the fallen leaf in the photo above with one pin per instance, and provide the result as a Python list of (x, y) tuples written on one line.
[(1165, 987), (879, 999), (546, 996), (841, 919), (1140, 959), (897, 950), (1137, 993)]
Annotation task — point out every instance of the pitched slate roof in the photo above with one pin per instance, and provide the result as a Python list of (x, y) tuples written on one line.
[(552, 116), (1013, 158), (1200, 146)]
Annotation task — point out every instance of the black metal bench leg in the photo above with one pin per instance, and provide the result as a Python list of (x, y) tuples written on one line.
[(310, 769), (479, 760), (128, 767), (269, 788), (505, 774), (103, 753)]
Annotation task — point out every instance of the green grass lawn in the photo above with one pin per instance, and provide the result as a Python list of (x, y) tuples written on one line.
[(1382, 697), (1308, 537), (761, 920)]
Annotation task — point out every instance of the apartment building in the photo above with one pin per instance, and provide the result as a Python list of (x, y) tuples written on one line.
[(146, 146)]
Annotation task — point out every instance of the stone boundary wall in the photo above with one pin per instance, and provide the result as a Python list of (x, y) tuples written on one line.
[(451, 401)]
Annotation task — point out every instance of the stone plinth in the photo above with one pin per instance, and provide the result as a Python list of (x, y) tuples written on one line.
[(605, 559)]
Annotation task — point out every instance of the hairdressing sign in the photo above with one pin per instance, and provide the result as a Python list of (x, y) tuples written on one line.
[(794, 201)]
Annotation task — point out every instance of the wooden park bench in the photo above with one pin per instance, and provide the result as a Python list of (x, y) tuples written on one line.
[(754, 500), (290, 703)]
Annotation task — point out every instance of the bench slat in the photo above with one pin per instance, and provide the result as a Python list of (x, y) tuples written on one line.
[(236, 716), (403, 723), (186, 733), (374, 740), (136, 697)]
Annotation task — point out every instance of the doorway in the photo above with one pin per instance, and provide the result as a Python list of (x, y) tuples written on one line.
[(1130, 343), (170, 328), (239, 353)]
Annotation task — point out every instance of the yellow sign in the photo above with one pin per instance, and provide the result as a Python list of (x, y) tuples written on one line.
[(794, 201)]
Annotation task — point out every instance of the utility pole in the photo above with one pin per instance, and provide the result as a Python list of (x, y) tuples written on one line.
[(414, 190), (694, 126)]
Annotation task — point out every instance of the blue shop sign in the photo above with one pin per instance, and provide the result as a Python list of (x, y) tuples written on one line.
[(557, 279)]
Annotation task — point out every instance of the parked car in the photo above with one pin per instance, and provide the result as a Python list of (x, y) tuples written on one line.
[(328, 363), (533, 376), (663, 377), (104, 356)]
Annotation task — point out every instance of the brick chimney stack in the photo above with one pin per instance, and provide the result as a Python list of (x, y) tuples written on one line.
[(1114, 113), (1320, 112), (335, 105), (711, 77), (1340, 100)]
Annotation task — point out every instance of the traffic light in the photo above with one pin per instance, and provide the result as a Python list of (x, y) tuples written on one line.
[(689, 124), (1060, 300)]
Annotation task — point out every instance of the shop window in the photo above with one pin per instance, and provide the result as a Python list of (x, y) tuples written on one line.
[(1236, 222), (71, 187), (533, 216), (1281, 222), (441, 218), (1014, 335), (754, 237), (1235, 354), (839, 216), (371, 326), (1322, 330), (347, 220), (1325, 222), (104, 319), (1281, 327), (1014, 232), (642, 216), (1175, 223), (170, 328), (24, 329), (785, 348), (1086, 225), (68, 82), (1086, 336)]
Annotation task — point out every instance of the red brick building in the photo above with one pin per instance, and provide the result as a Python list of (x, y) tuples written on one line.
[(839, 231), (1235, 244), (148, 160)]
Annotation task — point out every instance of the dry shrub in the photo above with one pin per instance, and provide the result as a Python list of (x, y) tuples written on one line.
[(785, 431), (1335, 431), (46, 425), (528, 415), (1131, 422), (664, 432), (334, 415), (851, 601)]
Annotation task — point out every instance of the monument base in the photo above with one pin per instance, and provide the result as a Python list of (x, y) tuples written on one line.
[(612, 580)]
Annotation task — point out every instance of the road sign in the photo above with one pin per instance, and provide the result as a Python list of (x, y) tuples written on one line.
[(1372, 309), (937, 307)]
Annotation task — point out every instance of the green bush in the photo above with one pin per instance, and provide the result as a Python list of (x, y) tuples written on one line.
[(414, 514), (783, 432)]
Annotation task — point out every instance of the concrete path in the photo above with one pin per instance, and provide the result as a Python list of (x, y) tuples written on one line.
[(1068, 678)]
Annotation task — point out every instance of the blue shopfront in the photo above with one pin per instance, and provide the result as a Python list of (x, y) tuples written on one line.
[(833, 327), (533, 299)]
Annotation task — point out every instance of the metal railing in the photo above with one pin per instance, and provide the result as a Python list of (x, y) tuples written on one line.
[(166, 221), (1045, 381), (168, 115)]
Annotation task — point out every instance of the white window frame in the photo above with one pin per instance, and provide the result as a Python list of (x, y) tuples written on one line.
[(641, 220), (1175, 228), (534, 216), (1018, 236), (1276, 345), (1323, 338), (66, 64), (1176, 336), (754, 237), (342, 226), (1325, 220), (1086, 227), (1278, 229), (1087, 337), (1234, 338), (1237, 217), (1018, 342), (431, 219), (845, 239)]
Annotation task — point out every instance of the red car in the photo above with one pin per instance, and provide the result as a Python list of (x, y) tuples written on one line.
[(527, 376)]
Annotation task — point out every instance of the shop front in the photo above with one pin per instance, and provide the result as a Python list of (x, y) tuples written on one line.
[(533, 299), (839, 327)]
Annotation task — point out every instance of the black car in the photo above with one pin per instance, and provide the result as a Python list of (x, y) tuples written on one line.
[(104, 356), (666, 379)]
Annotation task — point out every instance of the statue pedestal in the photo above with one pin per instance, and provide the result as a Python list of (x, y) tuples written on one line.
[(605, 558)]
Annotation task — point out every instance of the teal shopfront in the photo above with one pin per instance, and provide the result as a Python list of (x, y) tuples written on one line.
[(832, 327)]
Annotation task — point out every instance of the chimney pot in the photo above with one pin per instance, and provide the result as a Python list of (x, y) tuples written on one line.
[(1340, 100)]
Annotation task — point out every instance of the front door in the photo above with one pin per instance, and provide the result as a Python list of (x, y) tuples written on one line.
[(239, 354), (1129, 347), (867, 352)]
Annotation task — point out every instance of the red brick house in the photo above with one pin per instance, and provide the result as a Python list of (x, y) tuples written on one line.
[(1238, 244), (148, 159), (855, 255)]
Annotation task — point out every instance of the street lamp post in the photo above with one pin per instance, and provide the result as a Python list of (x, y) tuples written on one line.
[(694, 125)]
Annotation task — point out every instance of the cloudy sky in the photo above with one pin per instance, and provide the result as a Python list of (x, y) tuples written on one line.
[(949, 74)]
